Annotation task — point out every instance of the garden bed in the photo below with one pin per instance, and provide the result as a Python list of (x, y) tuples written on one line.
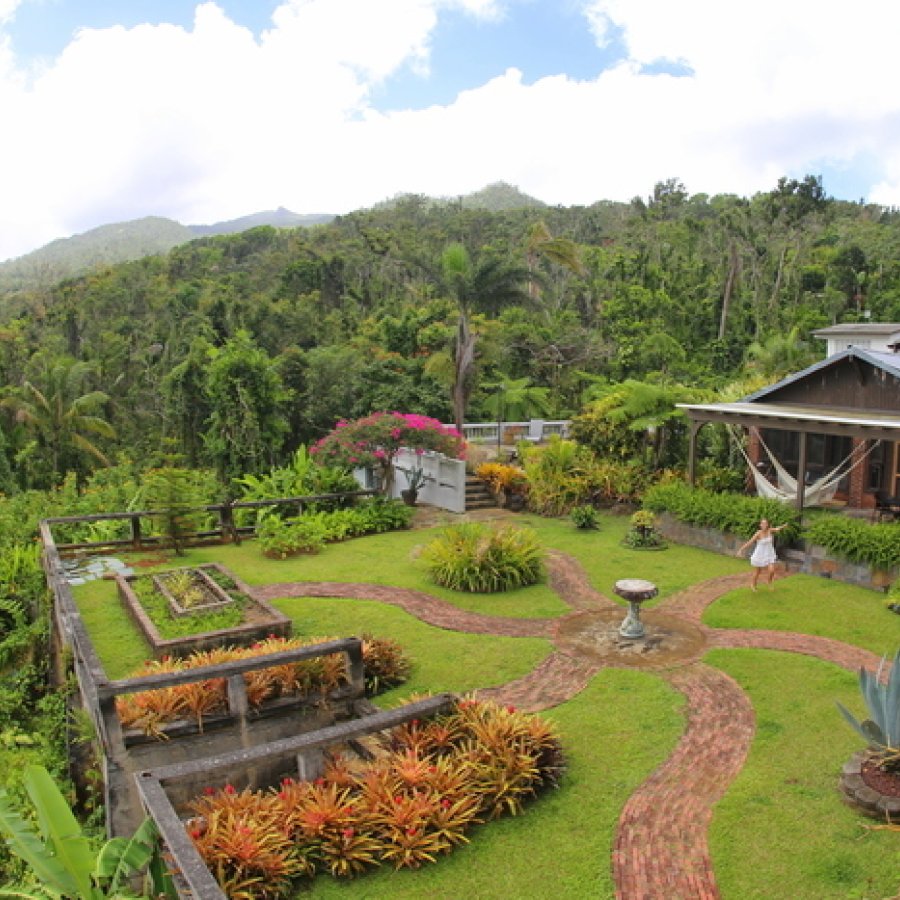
[(199, 627)]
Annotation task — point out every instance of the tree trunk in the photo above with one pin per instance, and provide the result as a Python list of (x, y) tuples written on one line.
[(733, 267)]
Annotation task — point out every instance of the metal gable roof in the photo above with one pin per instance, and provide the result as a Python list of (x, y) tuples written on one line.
[(888, 362)]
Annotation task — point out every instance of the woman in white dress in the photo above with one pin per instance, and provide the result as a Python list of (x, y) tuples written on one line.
[(763, 556)]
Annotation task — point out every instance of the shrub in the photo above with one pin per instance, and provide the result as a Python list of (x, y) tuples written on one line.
[(643, 534), (861, 542), (411, 803), (502, 477), (734, 513), (482, 559), (585, 517), (279, 538)]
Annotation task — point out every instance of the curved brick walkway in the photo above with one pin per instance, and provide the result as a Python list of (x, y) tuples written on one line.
[(660, 850)]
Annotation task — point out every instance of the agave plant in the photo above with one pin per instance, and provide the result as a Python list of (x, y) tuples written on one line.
[(882, 697)]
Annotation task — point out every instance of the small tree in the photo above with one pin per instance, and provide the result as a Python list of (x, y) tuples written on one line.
[(375, 440), (178, 494)]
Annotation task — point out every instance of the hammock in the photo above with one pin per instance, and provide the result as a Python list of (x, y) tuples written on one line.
[(820, 491)]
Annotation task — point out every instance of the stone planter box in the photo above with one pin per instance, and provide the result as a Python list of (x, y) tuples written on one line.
[(260, 620), (217, 597), (864, 798), (806, 558)]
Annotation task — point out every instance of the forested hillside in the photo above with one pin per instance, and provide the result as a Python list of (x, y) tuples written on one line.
[(232, 350)]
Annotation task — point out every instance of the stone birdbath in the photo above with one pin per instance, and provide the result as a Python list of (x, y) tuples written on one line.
[(636, 591)]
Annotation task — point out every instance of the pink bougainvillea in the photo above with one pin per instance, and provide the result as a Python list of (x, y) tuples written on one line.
[(375, 440)]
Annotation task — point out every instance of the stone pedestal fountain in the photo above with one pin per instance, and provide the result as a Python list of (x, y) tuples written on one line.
[(636, 591)]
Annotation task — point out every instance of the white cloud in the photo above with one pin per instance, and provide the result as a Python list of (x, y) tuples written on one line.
[(211, 122)]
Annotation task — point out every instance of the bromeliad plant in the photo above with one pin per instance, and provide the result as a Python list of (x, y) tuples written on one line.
[(414, 801), (386, 665), (882, 729)]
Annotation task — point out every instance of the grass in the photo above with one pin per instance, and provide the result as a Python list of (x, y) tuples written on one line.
[(812, 605), (616, 732), (781, 831), (442, 660)]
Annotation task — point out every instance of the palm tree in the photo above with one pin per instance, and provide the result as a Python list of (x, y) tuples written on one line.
[(563, 252), (486, 285), (60, 417), (780, 354)]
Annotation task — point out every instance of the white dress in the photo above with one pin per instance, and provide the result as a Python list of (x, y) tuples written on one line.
[(764, 553)]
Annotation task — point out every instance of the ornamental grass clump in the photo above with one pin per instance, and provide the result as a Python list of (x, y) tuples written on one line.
[(479, 558), (412, 802)]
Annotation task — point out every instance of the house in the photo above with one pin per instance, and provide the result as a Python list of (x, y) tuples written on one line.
[(877, 336), (844, 409)]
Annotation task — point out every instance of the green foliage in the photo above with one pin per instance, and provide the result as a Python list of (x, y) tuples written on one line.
[(60, 857), (480, 559), (375, 440), (734, 513), (280, 538), (247, 400), (178, 494), (169, 625), (428, 785), (306, 534), (877, 545), (585, 517), (635, 421), (643, 534), (882, 698)]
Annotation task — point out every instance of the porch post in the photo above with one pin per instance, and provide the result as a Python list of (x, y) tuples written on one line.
[(801, 474), (692, 451)]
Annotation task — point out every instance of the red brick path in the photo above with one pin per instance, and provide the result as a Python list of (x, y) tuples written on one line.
[(660, 850), (660, 847)]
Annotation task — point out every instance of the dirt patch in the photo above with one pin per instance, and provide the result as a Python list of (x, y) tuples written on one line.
[(886, 783)]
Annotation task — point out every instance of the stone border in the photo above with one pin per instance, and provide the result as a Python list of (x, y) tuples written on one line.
[(269, 620), (861, 796)]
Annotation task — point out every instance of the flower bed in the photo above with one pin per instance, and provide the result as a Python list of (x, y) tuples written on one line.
[(427, 784), (241, 621), (151, 711)]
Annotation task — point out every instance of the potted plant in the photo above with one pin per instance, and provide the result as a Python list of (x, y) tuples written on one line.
[(415, 478)]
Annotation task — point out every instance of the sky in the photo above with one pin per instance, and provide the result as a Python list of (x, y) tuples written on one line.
[(204, 111)]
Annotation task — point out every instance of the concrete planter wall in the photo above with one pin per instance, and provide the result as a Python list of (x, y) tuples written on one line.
[(806, 558)]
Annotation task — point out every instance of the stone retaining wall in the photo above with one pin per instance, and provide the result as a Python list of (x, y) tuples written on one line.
[(806, 558)]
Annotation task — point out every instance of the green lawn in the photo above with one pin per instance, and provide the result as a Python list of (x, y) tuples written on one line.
[(615, 732), (781, 830), (812, 605)]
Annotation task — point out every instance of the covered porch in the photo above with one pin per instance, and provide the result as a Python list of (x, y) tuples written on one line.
[(817, 437)]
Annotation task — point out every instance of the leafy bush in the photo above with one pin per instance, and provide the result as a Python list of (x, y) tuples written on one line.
[(303, 477), (411, 803), (386, 664), (734, 513), (280, 538), (502, 477), (478, 558), (856, 540), (643, 534), (307, 533), (586, 517)]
